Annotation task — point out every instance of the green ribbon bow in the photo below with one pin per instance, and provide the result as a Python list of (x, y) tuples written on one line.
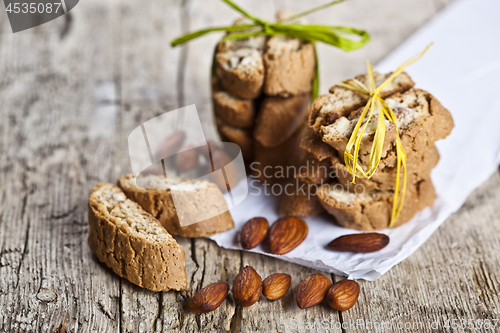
[(331, 35)]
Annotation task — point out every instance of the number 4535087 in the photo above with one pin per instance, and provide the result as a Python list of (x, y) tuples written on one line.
[(33, 7)]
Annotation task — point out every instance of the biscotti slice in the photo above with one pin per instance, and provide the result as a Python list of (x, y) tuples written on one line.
[(313, 171), (385, 178), (289, 66), (132, 242), (240, 67), (240, 136), (234, 111), (279, 118), (421, 120), (340, 102), (276, 164), (313, 144), (154, 195), (371, 210), (299, 199)]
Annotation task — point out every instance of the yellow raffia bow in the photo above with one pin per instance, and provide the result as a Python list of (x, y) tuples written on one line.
[(384, 111)]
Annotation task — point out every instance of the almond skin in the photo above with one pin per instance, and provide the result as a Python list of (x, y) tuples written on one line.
[(286, 234), (254, 232), (247, 287), (360, 243), (312, 290), (209, 298), (343, 295), (186, 159), (276, 285)]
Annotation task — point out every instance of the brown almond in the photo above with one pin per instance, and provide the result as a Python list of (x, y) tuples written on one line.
[(186, 159), (170, 145), (286, 234), (209, 298), (247, 287), (360, 243), (276, 285), (254, 232), (312, 290), (343, 295)]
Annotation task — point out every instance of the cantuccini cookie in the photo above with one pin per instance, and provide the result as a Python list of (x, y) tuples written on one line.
[(289, 66), (340, 102), (240, 66), (275, 164), (313, 171), (385, 178), (132, 242), (234, 111), (421, 120), (279, 118), (240, 136), (313, 144), (371, 210), (152, 193)]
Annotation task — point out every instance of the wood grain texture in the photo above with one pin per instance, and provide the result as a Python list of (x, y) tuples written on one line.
[(70, 93)]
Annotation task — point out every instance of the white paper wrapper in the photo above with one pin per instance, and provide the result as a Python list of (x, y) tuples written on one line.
[(462, 70)]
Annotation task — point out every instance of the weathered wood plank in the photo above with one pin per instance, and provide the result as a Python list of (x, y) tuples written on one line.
[(56, 281)]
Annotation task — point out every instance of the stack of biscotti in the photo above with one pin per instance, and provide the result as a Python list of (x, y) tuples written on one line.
[(421, 121), (261, 94), (130, 227)]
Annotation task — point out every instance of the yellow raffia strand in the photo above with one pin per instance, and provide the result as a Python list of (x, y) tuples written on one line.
[(384, 111)]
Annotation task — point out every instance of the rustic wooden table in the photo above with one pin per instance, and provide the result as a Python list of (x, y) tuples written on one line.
[(70, 93)]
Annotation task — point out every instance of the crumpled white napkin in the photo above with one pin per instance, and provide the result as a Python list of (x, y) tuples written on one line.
[(462, 70)]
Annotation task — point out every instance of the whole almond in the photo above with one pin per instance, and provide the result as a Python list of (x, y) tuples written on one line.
[(286, 234), (276, 285), (247, 287), (312, 290), (343, 295), (170, 145), (209, 298), (360, 243), (186, 159), (254, 232)]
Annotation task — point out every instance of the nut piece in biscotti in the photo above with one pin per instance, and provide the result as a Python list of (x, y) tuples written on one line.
[(340, 102), (313, 144), (274, 165), (299, 199), (289, 66), (240, 136), (279, 118), (313, 171), (234, 111), (385, 178), (132, 242), (153, 193), (421, 120), (371, 210), (240, 67)]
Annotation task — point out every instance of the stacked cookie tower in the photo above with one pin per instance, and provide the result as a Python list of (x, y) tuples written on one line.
[(261, 93), (367, 205)]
